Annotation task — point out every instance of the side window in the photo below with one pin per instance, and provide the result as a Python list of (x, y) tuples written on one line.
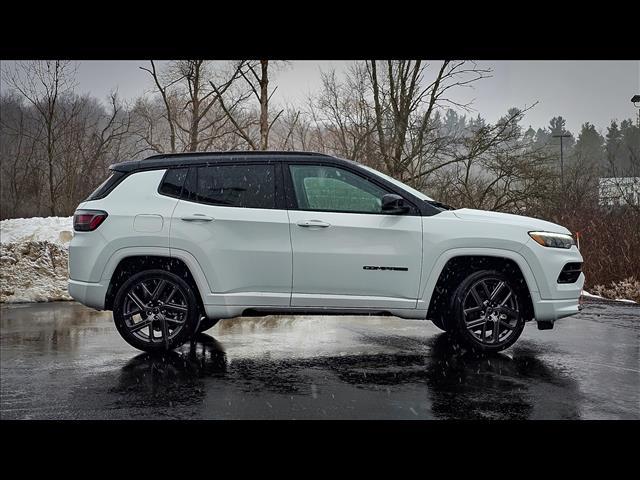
[(105, 187), (320, 187), (248, 186), (172, 182)]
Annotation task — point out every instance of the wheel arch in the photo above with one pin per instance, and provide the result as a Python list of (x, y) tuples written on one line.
[(454, 265), (133, 263)]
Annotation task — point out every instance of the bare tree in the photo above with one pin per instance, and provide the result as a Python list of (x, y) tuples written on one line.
[(291, 130), (258, 87), (162, 89), (64, 154), (194, 121), (102, 139), (404, 105), (343, 117), (18, 157), (43, 84)]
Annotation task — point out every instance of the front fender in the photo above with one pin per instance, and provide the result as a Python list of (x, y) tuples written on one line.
[(432, 279)]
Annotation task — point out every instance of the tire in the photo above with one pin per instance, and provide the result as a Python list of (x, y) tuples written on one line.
[(487, 300), (155, 311), (439, 322), (207, 323)]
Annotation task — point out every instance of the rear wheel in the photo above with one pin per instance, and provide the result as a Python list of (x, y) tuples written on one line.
[(487, 311), (155, 310)]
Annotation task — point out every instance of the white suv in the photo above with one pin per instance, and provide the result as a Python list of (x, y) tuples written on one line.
[(173, 243)]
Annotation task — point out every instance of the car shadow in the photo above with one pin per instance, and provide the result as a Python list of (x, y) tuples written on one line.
[(172, 378), (518, 385), (203, 356), (453, 382)]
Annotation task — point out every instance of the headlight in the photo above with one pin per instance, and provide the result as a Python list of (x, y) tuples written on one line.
[(555, 240)]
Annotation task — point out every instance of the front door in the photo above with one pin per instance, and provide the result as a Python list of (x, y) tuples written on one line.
[(346, 252)]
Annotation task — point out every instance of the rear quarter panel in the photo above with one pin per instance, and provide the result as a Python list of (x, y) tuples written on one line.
[(138, 216)]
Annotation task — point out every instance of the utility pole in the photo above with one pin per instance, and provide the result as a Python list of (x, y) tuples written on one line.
[(561, 136)]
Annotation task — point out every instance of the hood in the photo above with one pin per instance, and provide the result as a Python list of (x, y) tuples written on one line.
[(506, 218)]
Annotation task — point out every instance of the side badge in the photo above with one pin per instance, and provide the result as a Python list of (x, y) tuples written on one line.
[(396, 269)]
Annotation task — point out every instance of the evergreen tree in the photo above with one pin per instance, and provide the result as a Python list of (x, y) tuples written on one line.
[(543, 137), (557, 127), (589, 149), (530, 134), (629, 148), (612, 146)]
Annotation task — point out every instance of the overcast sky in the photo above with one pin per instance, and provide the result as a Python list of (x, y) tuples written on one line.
[(580, 91)]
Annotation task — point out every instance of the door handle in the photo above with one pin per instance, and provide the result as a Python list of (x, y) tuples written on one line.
[(197, 217), (314, 223)]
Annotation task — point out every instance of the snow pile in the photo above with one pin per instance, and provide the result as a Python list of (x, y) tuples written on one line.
[(50, 229), (33, 272), (33, 259)]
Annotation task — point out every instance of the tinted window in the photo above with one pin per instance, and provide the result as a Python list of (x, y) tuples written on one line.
[(172, 183), (249, 186), (319, 187), (105, 187)]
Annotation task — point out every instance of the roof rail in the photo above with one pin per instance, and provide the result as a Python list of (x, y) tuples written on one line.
[(167, 160), (234, 152)]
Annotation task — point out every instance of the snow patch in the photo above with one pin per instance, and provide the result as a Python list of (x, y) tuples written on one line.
[(591, 295)]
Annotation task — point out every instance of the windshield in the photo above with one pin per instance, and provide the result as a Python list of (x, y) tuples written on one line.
[(399, 184)]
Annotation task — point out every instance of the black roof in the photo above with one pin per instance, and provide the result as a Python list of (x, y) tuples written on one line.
[(185, 159)]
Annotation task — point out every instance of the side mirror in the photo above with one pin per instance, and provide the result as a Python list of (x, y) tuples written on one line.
[(393, 204)]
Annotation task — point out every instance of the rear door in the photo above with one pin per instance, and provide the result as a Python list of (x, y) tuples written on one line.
[(231, 218), (346, 252)]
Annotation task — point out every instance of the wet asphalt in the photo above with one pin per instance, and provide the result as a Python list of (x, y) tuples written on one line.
[(64, 361)]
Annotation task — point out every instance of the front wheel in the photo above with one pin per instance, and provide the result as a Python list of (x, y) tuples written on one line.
[(487, 311), (155, 310), (207, 323), (439, 322)]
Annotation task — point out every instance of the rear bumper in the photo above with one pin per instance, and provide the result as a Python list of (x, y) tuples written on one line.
[(87, 293)]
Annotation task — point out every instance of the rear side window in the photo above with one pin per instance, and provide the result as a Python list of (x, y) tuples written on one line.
[(248, 186), (105, 187), (172, 182)]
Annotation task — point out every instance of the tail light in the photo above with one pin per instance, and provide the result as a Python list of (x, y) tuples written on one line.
[(88, 220)]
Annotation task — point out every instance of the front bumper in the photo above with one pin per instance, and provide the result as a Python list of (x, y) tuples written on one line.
[(552, 300), (87, 293), (552, 310)]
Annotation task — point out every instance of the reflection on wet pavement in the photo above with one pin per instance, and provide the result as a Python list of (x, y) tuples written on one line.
[(63, 360)]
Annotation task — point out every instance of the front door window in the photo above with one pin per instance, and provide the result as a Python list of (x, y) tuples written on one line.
[(332, 189)]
